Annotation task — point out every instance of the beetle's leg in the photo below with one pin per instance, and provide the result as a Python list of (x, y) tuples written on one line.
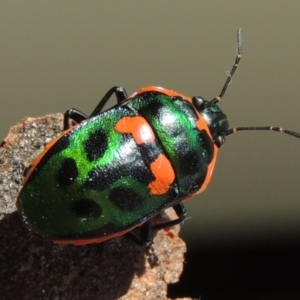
[(77, 116), (73, 115), (118, 91), (145, 238), (180, 212)]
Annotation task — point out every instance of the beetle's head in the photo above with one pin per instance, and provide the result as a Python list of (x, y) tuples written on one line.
[(215, 119)]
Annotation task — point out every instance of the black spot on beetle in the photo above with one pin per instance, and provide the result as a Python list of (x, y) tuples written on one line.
[(102, 178), (96, 145), (125, 199), (62, 144), (130, 161), (68, 172), (190, 162), (150, 151), (87, 208)]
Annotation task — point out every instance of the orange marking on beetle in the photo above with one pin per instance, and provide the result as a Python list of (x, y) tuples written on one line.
[(138, 127), (164, 175)]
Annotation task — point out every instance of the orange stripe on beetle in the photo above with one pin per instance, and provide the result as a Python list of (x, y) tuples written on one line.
[(164, 175), (137, 126)]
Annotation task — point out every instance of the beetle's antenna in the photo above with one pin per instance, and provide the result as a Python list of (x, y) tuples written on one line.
[(278, 129), (236, 63), (218, 98)]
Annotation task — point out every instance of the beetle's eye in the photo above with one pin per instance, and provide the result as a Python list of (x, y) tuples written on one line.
[(219, 141), (198, 102)]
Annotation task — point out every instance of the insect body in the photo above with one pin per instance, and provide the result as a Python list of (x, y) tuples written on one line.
[(118, 168)]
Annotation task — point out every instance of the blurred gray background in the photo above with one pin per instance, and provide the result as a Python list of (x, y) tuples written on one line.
[(61, 54)]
